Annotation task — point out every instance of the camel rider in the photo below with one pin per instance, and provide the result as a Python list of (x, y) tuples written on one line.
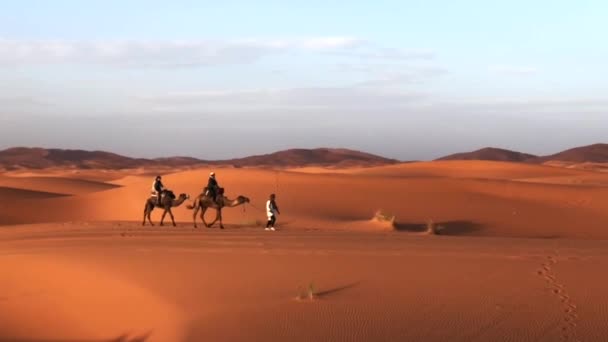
[(158, 188), (212, 187)]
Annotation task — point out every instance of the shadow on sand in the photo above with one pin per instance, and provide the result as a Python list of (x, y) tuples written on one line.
[(331, 291), (443, 228)]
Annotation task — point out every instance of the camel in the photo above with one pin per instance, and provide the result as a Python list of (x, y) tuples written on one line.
[(204, 202), (167, 202)]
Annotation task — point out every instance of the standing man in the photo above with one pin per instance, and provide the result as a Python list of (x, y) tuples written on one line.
[(271, 211)]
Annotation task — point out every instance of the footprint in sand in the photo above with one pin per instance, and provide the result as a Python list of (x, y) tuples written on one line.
[(557, 289)]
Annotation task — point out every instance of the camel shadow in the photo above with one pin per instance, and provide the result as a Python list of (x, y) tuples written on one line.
[(450, 228)]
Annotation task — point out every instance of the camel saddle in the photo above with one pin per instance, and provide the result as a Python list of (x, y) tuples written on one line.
[(164, 194), (220, 191)]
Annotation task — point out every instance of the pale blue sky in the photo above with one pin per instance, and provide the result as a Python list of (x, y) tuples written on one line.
[(405, 79)]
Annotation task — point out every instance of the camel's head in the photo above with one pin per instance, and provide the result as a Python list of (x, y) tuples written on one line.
[(243, 199), (184, 196)]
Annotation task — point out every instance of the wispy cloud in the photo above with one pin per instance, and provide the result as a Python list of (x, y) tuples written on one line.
[(408, 75), (184, 53), (163, 53), (293, 98), (384, 53), (553, 107), (513, 69), (23, 101)]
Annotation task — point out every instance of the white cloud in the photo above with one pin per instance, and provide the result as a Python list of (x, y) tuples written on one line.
[(176, 53), (331, 43), (369, 51), (20, 103), (289, 98), (162, 53), (408, 75), (570, 108), (513, 70)]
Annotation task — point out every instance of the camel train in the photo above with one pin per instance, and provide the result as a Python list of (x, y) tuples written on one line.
[(166, 199)]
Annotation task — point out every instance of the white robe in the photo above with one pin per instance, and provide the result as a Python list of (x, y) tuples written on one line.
[(270, 210)]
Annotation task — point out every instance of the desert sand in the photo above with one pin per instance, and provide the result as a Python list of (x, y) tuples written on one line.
[(518, 256)]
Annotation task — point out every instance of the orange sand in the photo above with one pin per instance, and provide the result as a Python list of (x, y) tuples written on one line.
[(519, 258)]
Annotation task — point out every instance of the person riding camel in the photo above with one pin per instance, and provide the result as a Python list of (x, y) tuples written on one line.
[(212, 187), (158, 188)]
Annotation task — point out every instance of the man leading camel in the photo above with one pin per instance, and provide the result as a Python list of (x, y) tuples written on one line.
[(272, 210)]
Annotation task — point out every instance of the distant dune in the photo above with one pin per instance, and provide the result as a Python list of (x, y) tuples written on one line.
[(597, 153), (314, 157), (491, 154), (40, 158), (591, 157)]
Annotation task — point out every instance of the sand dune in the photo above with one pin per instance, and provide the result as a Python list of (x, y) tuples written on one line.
[(107, 276), (24, 194), (490, 153), (60, 185), (474, 169), (22, 158), (104, 176), (596, 153), (110, 279), (86, 303), (481, 198)]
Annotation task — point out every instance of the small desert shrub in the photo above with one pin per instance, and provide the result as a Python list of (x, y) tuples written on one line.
[(384, 217), (306, 292), (432, 228)]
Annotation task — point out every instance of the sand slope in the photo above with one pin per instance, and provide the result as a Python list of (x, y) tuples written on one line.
[(182, 285), (60, 185), (519, 257), (466, 198)]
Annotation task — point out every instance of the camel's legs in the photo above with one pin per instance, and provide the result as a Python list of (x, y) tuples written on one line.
[(145, 213), (150, 208), (172, 218), (194, 215), (163, 217), (219, 215), (214, 220), (203, 217)]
